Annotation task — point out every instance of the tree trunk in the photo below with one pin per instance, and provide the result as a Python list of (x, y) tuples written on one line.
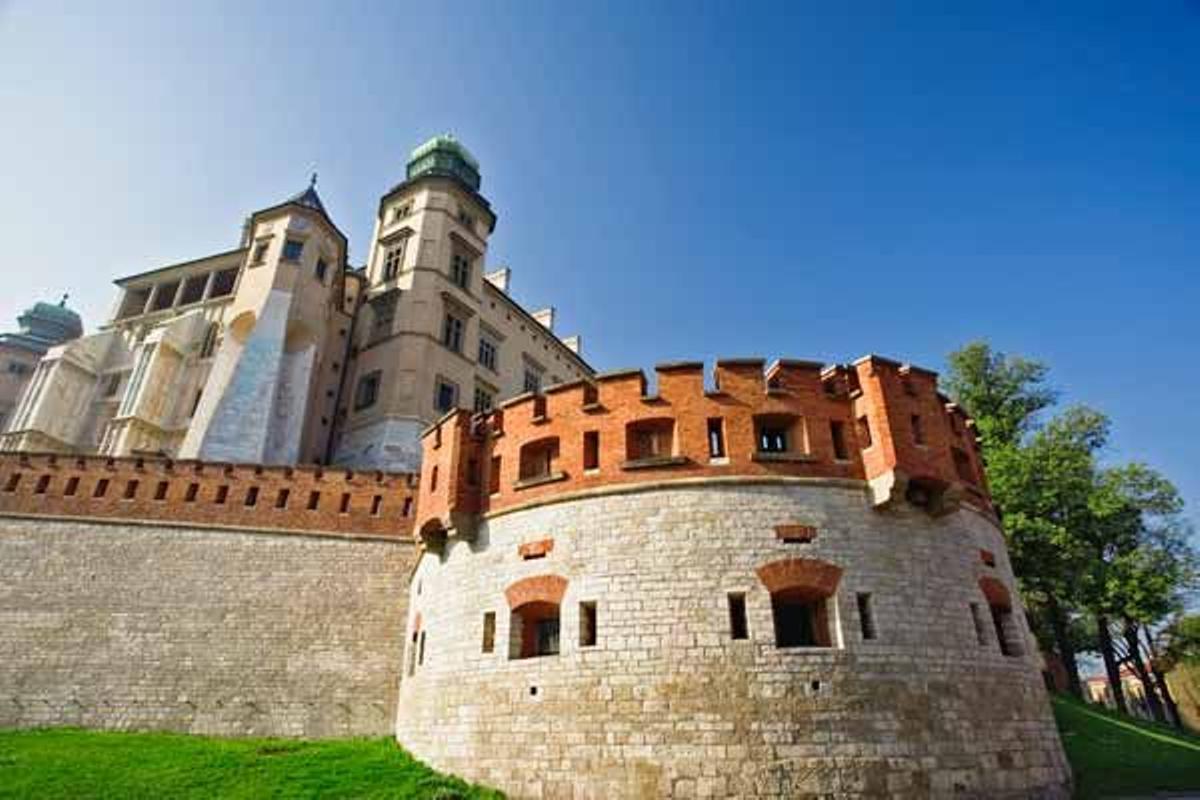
[(1161, 680), (1110, 663), (1066, 648), (1134, 642)]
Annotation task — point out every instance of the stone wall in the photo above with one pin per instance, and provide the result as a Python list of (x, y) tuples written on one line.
[(667, 704), (142, 626)]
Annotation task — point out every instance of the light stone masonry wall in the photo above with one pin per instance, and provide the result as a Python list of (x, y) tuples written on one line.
[(153, 627), (666, 704)]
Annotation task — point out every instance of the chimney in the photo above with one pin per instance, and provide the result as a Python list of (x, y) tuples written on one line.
[(546, 317), (499, 278)]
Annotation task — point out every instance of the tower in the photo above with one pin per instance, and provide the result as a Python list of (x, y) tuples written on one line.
[(270, 395), (417, 332)]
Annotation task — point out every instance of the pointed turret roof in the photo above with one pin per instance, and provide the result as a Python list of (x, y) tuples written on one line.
[(309, 197)]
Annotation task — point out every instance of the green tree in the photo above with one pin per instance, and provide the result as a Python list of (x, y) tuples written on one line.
[(1003, 393)]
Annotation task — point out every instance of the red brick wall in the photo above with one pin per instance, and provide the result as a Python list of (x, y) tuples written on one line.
[(347, 502)]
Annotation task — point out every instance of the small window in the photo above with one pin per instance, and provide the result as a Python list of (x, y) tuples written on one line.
[(251, 497), (801, 620), (314, 500), (131, 488), (533, 380), (460, 270), (489, 631), (864, 431), (101, 488), (42, 485), (487, 352), (1008, 635), (866, 616), (421, 651), (716, 438), (538, 459), (72, 486), (918, 431), (281, 499), (837, 431), (591, 450), (293, 249), (484, 400), (406, 510), (652, 438), (445, 395), (452, 333), (433, 479), (192, 491), (112, 384), (393, 258), (376, 505), (223, 282), (344, 507), (738, 628), (222, 495), (587, 624), (321, 270), (367, 391), (209, 345), (260, 252), (13, 482), (534, 630), (494, 476), (772, 439), (980, 628), (160, 491)]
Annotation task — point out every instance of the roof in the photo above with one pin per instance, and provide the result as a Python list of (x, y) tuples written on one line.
[(445, 141), (309, 198)]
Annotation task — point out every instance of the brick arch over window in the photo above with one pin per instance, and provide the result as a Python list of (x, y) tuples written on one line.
[(807, 575), (995, 592), (536, 589)]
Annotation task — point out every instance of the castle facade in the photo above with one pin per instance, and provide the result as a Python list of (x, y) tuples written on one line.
[(277, 352)]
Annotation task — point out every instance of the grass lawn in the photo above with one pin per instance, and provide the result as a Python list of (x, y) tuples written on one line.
[(70, 763), (1114, 756)]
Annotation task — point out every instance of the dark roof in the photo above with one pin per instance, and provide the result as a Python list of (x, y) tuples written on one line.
[(310, 199)]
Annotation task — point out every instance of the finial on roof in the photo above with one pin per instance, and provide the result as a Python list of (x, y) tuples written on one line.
[(312, 183), (63, 302)]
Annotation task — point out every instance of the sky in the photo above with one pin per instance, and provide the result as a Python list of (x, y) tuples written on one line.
[(680, 180)]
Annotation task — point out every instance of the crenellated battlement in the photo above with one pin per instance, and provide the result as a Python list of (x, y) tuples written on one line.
[(876, 420), (296, 499)]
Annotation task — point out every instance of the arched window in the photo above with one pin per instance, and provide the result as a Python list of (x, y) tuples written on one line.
[(539, 459), (802, 600), (535, 604), (1008, 631)]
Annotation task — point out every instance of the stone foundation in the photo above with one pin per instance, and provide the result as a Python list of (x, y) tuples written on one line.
[(667, 704), (125, 626)]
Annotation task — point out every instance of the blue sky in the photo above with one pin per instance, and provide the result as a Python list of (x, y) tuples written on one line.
[(692, 180)]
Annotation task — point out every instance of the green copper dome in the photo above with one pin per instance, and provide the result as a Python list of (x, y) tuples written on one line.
[(444, 155)]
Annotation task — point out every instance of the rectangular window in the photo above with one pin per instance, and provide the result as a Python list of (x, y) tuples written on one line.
[(112, 384), (980, 629), (587, 623), (293, 249), (260, 252), (192, 490), (251, 497), (489, 631), (131, 490), (533, 380), (321, 269), (421, 650), (42, 485), (14, 480), (772, 439), (864, 431), (160, 491), (487, 353), (452, 333), (460, 270), (737, 616), (716, 438), (483, 400), (367, 391), (314, 500), (376, 505), (407, 508), (72, 486), (344, 507), (591, 450), (837, 432), (494, 476), (393, 258), (222, 495), (281, 499), (101, 488), (866, 617), (445, 395), (918, 431), (223, 282)]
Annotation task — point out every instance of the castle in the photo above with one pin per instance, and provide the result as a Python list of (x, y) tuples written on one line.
[(771, 580)]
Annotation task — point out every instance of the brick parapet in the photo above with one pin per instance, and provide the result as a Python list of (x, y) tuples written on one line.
[(872, 404), (290, 499)]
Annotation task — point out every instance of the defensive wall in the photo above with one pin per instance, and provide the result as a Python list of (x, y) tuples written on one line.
[(789, 584), (201, 597)]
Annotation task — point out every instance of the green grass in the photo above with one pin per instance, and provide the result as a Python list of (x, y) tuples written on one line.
[(1116, 756), (71, 763)]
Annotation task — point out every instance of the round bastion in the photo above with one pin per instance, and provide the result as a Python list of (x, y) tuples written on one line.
[(790, 584)]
